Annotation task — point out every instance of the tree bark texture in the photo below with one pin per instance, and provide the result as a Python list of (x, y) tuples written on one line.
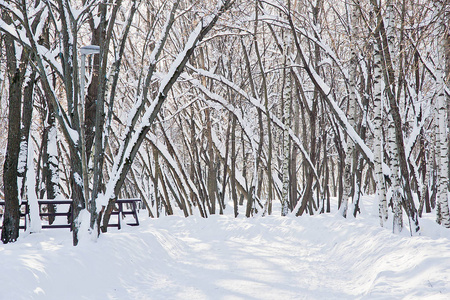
[(11, 217)]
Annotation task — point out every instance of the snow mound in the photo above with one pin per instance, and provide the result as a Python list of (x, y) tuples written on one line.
[(318, 257)]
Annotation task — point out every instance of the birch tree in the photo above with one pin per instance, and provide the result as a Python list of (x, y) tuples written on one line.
[(378, 136), (443, 216), (393, 97), (286, 137)]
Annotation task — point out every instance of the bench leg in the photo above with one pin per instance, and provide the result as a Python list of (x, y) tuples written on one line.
[(135, 213), (119, 215)]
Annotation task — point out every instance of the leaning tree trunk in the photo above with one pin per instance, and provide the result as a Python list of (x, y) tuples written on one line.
[(392, 142)]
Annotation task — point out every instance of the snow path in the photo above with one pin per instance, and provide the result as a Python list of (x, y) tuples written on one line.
[(319, 257)]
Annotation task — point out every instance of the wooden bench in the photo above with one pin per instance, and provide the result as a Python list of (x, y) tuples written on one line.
[(67, 214), (120, 211)]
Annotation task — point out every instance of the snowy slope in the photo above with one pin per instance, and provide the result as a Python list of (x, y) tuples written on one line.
[(319, 257)]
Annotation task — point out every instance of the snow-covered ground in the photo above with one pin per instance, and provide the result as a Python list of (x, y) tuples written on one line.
[(318, 257)]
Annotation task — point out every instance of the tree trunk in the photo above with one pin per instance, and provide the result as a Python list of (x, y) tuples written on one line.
[(233, 167), (105, 35), (11, 216), (349, 167), (27, 113), (211, 174), (76, 184), (293, 164), (286, 148), (265, 96), (378, 135), (441, 110), (51, 161), (395, 184)]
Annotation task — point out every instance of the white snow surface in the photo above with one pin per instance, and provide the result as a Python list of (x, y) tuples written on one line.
[(273, 257)]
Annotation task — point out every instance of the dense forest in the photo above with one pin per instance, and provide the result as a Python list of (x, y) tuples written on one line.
[(191, 105)]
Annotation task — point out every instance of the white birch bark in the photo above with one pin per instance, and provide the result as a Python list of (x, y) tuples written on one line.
[(395, 182), (286, 112), (437, 157), (390, 23), (393, 150), (441, 118), (286, 150), (378, 136)]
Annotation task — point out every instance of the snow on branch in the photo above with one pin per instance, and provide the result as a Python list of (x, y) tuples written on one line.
[(137, 137), (254, 102), (325, 91)]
